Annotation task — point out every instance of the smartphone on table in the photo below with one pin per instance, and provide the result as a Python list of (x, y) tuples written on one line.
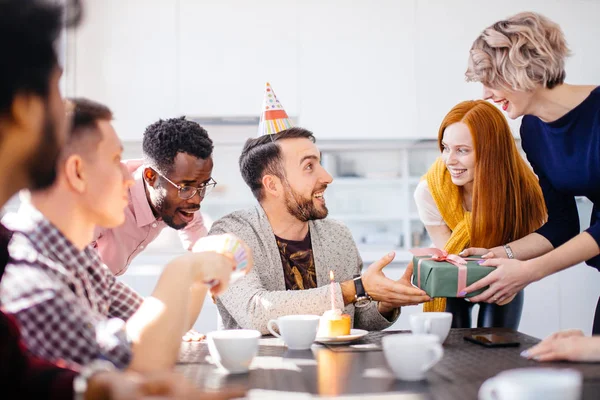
[(492, 340)]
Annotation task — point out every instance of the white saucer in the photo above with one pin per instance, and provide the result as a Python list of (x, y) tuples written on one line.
[(354, 334)]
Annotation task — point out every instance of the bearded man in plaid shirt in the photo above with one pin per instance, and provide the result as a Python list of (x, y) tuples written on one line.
[(58, 288)]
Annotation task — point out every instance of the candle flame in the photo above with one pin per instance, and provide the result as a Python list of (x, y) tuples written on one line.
[(331, 275)]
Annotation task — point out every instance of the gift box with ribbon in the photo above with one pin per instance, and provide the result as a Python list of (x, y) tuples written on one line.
[(441, 274)]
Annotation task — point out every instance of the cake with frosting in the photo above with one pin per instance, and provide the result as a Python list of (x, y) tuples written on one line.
[(333, 323)]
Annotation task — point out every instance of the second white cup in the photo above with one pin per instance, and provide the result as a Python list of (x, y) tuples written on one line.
[(233, 350), (435, 323), (297, 331), (411, 356)]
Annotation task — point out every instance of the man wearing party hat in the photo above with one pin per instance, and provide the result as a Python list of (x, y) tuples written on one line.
[(294, 245)]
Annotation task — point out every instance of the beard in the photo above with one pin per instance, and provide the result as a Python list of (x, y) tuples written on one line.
[(167, 219), (161, 206), (303, 208), (41, 165)]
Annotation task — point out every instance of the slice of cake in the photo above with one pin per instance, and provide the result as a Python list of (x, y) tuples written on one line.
[(333, 323)]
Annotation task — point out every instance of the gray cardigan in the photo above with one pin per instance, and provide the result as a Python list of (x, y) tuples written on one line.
[(261, 295)]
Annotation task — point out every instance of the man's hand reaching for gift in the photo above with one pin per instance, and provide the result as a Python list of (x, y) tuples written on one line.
[(389, 292)]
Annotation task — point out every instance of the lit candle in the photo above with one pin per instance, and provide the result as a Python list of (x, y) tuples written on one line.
[(332, 287)]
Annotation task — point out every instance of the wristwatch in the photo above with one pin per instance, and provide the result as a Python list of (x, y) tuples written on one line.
[(361, 298), (509, 252), (80, 383)]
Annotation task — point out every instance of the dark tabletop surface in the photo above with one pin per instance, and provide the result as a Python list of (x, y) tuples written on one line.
[(362, 368)]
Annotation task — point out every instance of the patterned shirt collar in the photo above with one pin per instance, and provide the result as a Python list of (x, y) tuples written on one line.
[(55, 245)]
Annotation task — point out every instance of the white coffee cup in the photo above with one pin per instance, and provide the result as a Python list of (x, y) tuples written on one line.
[(297, 331), (233, 350), (436, 323), (411, 356), (533, 384)]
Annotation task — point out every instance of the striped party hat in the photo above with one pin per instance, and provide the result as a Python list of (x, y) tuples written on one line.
[(273, 118)]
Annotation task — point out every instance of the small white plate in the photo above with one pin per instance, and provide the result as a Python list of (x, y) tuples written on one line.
[(354, 334)]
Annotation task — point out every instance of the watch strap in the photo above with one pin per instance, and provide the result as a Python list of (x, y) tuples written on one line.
[(358, 285), (509, 252)]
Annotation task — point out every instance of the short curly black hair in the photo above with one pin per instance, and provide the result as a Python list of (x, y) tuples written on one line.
[(164, 139)]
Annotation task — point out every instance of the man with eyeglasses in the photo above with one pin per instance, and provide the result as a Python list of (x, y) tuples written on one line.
[(170, 183)]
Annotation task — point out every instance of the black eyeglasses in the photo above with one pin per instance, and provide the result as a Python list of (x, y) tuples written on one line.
[(187, 192)]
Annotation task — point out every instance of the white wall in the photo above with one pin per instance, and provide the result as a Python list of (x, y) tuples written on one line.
[(346, 68), (126, 56)]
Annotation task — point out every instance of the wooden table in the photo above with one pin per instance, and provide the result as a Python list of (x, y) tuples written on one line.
[(362, 369)]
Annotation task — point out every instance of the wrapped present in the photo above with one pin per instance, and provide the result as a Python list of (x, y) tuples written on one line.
[(441, 274)]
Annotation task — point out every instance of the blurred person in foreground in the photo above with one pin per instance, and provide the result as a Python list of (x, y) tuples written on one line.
[(32, 129)]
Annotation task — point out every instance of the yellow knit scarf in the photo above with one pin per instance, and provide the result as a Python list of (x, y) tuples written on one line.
[(449, 202)]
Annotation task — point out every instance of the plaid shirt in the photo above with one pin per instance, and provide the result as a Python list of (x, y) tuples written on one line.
[(20, 372), (59, 294)]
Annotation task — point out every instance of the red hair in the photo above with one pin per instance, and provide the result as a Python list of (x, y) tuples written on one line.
[(508, 203)]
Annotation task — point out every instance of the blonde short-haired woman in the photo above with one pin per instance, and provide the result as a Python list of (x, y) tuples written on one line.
[(520, 62)]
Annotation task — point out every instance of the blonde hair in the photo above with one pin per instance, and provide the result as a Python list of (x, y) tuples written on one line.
[(508, 202), (520, 53)]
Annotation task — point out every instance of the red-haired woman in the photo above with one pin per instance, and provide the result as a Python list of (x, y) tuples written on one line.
[(479, 193)]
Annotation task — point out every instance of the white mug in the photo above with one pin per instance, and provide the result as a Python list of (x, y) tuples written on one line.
[(533, 384), (233, 350), (436, 323), (297, 331), (411, 356)]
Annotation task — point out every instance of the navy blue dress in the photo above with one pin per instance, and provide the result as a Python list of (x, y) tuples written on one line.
[(565, 155)]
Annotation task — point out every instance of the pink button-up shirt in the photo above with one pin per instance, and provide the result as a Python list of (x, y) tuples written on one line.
[(119, 246)]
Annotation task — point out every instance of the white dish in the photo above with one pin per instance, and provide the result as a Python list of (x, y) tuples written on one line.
[(354, 334)]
